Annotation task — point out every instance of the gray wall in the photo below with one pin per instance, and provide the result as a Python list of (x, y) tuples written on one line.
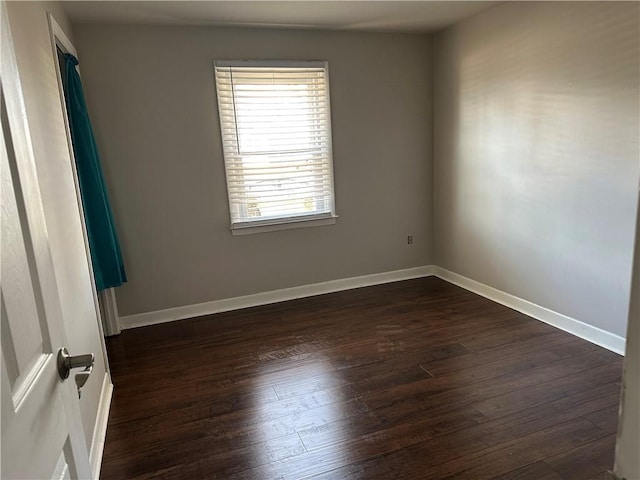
[(536, 154), (151, 94)]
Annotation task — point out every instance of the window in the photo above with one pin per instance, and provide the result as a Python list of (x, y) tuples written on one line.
[(276, 135)]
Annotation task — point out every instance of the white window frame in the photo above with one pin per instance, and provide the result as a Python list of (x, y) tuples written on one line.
[(282, 223)]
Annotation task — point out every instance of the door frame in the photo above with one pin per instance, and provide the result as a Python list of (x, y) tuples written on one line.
[(109, 312)]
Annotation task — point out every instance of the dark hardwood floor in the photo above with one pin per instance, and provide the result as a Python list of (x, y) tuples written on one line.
[(417, 379)]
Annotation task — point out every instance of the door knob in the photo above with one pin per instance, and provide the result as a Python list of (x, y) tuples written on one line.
[(67, 362)]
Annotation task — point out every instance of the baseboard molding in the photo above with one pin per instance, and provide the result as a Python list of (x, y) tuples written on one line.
[(100, 427), (110, 321), (274, 296), (580, 329)]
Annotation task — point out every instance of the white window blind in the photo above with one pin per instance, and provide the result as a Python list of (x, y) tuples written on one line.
[(276, 135)]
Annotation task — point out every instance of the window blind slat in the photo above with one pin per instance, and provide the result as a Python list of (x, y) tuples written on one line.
[(287, 195), (281, 134), (240, 169)]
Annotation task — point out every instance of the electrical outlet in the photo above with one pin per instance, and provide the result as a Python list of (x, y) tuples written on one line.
[(409, 239)]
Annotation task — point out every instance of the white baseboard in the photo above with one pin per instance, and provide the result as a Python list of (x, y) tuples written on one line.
[(274, 296), (100, 427), (580, 329), (110, 322)]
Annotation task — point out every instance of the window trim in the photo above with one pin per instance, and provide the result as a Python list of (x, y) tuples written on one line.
[(286, 224), (289, 222)]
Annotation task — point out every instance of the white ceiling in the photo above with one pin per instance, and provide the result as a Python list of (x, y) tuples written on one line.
[(412, 16)]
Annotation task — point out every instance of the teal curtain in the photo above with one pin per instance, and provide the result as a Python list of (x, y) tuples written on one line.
[(108, 267)]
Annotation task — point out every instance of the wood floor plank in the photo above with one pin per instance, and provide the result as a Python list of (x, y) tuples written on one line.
[(474, 440), (581, 462), (415, 379), (533, 471), (440, 458), (606, 419), (513, 401), (522, 451)]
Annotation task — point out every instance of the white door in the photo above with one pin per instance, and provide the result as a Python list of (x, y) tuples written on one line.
[(42, 435)]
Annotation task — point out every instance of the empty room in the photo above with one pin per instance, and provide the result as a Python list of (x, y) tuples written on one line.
[(320, 240)]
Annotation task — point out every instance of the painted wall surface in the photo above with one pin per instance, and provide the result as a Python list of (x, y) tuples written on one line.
[(151, 95), (536, 153), (35, 59), (627, 463)]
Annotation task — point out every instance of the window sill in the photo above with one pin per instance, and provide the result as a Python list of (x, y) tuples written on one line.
[(314, 222)]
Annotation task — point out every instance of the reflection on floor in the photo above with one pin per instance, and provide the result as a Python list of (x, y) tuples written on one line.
[(417, 379)]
